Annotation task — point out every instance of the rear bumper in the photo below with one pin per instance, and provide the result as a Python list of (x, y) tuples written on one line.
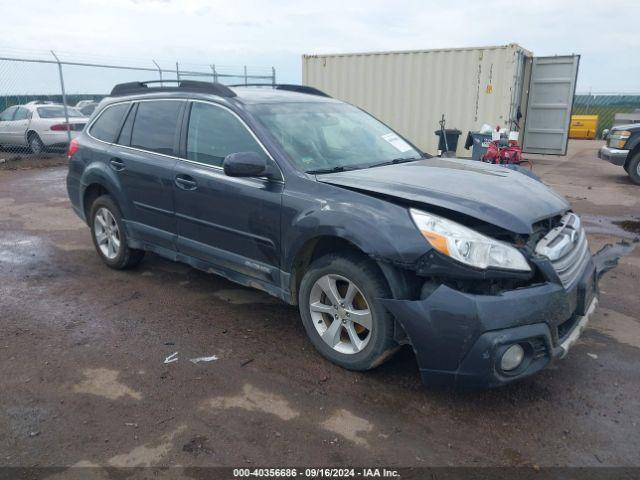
[(53, 138), (613, 155), (459, 338)]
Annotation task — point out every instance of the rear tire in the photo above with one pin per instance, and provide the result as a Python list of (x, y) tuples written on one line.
[(339, 333), (633, 169), (109, 236), (35, 144)]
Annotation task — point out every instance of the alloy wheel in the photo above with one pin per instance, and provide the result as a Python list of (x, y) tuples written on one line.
[(340, 314), (107, 233)]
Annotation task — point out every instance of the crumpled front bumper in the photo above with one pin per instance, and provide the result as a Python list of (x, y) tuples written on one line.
[(458, 338)]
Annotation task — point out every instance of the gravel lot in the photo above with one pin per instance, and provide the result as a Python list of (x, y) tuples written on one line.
[(83, 379)]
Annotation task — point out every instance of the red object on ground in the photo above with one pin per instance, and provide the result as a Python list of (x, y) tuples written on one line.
[(503, 154)]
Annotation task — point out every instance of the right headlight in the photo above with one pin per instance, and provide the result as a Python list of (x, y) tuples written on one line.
[(466, 245)]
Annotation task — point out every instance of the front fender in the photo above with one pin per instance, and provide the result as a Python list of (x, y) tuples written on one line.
[(380, 229), (633, 142)]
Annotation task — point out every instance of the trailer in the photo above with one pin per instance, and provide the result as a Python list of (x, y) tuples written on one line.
[(504, 86)]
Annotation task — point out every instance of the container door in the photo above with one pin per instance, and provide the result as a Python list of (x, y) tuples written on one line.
[(551, 90)]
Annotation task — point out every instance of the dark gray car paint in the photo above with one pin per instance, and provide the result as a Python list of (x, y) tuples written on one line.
[(607, 257), (240, 216), (264, 224), (460, 320), (494, 194)]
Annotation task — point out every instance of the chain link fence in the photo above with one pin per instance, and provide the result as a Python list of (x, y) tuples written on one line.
[(611, 108), (67, 81), (49, 79)]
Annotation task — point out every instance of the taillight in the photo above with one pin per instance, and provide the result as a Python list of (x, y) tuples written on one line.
[(62, 127), (73, 148)]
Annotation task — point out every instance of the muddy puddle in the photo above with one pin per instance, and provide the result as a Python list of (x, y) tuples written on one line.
[(632, 226), (623, 227)]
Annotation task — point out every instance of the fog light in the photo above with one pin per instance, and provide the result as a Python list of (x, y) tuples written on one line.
[(512, 358)]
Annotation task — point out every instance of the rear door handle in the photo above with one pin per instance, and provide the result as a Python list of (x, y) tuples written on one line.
[(186, 182), (117, 164)]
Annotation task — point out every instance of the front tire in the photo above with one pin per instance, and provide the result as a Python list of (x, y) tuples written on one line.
[(109, 236), (338, 301), (633, 169)]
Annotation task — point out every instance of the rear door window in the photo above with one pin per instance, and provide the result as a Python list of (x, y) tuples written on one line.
[(155, 126), (215, 133), (127, 127), (107, 125), (22, 114)]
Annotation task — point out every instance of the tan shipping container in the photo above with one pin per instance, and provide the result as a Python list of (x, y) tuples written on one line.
[(410, 90)]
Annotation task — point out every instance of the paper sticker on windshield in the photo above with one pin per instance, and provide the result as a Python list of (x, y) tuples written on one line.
[(397, 142)]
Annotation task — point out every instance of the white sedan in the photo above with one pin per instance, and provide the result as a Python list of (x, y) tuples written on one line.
[(39, 125)]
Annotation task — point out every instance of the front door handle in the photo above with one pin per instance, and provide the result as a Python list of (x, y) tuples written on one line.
[(186, 182), (117, 164)]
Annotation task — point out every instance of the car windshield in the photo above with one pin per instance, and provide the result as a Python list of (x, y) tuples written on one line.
[(322, 137), (57, 112)]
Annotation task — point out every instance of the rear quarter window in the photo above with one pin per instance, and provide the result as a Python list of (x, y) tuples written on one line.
[(107, 125)]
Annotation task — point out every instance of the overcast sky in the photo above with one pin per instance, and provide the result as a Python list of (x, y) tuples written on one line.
[(278, 32)]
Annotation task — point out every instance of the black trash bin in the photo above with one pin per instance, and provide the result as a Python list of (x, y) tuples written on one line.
[(452, 135)]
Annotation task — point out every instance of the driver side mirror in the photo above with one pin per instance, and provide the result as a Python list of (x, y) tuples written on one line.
[(245, 164)]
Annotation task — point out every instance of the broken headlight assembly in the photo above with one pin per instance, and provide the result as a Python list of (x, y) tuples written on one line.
[(466, 245)]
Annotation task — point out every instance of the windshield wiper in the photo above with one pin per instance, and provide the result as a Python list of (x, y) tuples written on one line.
[(343, 168), (339, 168), (394, 162)]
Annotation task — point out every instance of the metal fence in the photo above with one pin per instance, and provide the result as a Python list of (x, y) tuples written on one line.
[(611, 108), (67, 81)]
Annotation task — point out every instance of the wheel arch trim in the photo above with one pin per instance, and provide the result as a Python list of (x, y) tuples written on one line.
[(99, 174)]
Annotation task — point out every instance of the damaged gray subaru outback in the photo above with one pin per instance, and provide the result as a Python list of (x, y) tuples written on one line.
[(484, 271)]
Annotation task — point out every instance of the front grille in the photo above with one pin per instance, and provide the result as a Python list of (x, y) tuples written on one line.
[(567, 248), (572, 264)]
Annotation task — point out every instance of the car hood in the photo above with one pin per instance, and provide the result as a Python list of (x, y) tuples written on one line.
[(629, 126), (494, 194)]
